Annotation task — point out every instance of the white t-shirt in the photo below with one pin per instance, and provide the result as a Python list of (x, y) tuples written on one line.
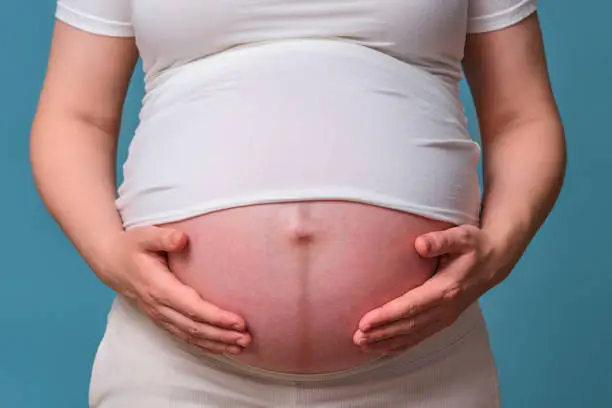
[(253, 101)]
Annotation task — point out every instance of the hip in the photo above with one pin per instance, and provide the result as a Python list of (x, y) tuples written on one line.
[(138, 363)]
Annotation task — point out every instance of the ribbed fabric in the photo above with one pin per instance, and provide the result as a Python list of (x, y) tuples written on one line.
[(140, 365)]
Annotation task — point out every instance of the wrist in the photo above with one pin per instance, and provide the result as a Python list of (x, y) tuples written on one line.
[(102, 252), (507, 243)]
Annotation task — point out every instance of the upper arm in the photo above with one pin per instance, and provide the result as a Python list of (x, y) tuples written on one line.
[(505, 67), (92, 57)]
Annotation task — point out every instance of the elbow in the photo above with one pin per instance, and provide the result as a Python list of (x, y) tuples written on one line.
[(551, 145)]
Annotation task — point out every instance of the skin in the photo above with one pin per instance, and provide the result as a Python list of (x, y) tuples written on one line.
[(303, 274), (74, 141)]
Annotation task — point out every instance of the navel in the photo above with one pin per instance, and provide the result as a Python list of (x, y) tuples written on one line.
[(299, 226)]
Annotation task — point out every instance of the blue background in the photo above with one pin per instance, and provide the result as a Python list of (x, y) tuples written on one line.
[(549, 322)]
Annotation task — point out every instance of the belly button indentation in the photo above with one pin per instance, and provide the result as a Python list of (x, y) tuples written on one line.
[(299, 228), (301, 234)]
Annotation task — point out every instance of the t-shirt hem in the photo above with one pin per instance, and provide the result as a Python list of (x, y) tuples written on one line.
[(502, 19), (162, 217), (91, 23)]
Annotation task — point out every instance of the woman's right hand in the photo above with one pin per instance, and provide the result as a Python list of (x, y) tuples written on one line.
[(141, 273)]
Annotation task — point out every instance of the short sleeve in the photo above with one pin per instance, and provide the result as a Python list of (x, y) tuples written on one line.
[(490, 15), (105, 17)]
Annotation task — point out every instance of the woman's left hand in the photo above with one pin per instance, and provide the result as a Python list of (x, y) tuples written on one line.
[(469, 266)]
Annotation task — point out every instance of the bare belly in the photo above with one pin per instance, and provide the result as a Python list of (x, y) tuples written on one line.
[(303, 274)]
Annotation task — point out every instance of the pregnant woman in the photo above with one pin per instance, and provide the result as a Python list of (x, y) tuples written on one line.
[(300, 221)]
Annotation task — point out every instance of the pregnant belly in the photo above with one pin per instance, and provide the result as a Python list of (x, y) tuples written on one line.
[(303, 274)]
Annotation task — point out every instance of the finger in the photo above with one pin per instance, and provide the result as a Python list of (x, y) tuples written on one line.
[(156, 239), (204, 331), (216, 347), (207, 345), (158, 319), (415, 340), (400, 328), (402, 343), (455, 240), (185, 300), (416, 301)]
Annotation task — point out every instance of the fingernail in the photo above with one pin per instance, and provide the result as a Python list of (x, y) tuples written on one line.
[(234, 350), (243, 341), (428, 243), (361, 339), (175, 238), (237, 327)]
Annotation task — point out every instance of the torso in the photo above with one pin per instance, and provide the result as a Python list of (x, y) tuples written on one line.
[(278, 100), (303, 145), (300, 120)]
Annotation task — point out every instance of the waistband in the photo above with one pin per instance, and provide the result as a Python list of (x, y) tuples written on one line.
[(469, 321)]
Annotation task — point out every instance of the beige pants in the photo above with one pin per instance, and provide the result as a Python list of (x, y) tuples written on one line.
[(138, 365)]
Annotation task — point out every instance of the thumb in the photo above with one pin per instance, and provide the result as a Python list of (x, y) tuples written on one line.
[(453, 240), (161, 239)]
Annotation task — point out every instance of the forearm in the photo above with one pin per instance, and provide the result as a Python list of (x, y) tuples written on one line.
[(524, 168), (73, 164)]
